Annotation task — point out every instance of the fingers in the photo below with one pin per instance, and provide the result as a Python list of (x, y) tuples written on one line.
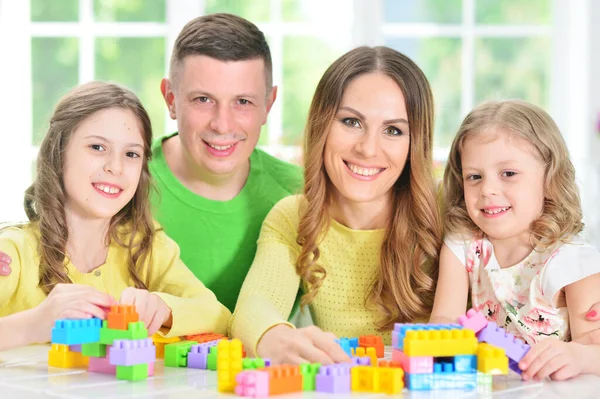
[(594, 313), (537, 357), (5, 270), (326, 343)]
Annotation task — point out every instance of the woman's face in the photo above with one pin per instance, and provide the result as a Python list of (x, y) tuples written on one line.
[(369, 140)]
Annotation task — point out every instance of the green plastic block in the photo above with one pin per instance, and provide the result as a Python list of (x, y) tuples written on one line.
[(176, 353), (136, 330), (132, 373), (253, 364), (309, 373), (93, 349), (211, 361)]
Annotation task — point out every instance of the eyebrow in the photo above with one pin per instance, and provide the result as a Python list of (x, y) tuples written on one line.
[(199, 92), (386, 122), (108, 141)]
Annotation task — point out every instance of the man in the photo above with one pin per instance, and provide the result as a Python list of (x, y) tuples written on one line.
[(215, 188)]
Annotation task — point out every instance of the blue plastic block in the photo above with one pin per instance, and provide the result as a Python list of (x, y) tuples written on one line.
[(345, 344), (418, 382), (400, 331), (465, 364), (454, 381), (75, 332)]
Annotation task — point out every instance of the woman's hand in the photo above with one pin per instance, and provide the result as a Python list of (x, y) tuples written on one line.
[(283, 344), (152, 310)]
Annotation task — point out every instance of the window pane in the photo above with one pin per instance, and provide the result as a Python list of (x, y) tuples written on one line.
[(513, 12), (305, 59), (138, 64), (317, 11), (439, 11), (54, 11), (130, 10), (440, 60), (513, 68), (54, 70), (255, 10)]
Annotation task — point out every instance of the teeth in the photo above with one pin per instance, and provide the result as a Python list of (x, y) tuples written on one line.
[(363, 171), (496, 211), (107, 189), (220, 147)]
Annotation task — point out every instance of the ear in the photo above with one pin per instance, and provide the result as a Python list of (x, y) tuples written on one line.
[(166, 88), (272, 96)]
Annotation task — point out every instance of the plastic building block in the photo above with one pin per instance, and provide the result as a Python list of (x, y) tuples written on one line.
[(197, 357), (465, 363), (334, 378), (75, 348), (160, 342), (361, 361), (473, 320), (309, 375), (120, 316), (491, 360), (133, 373), (253, 363), (485, 380), (74, 332), (418, 382), (176, 354), (514, 348), (101, 365), (391, 380), (372, 341), (284, 379), (413, 364), (368, 352), (364, 379), (211, 359), (205, 337), (440, 343), (60, 356), (252, 384), (93, 349), (136, 330), (454, 381), (400, 330), (229, 364), (345, 345), (129, 353), (393, 364)]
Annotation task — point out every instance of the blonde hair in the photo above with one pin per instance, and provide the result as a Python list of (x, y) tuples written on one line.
[(561, 215), (45, 198), (403, 286)]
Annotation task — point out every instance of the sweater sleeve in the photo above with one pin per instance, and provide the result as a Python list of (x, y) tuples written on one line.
[(195, 308), (10, 283), (270, 288)]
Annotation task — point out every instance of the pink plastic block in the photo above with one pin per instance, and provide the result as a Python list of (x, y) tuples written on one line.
[(515, 348), (413, 364), (132, 352), (101, 365), (473, 320), (252, 384)]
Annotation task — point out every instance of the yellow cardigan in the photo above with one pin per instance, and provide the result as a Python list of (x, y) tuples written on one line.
[(194, 307)]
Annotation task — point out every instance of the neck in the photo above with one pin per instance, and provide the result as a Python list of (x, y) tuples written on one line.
[(510, 251), (361, 215), (217, 187), (87, 244)]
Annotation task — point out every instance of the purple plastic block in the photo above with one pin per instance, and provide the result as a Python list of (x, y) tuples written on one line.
[(198, 355), (492, 334), (267, 362), (473, 320), (132, 352), (361, 361), (334, 378), (514, 366), (75, 348)]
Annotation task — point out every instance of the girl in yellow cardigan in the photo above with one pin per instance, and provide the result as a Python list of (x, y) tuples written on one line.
[(90, 240)]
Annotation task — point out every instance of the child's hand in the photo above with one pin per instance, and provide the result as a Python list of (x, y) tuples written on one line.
[(553, 358), (5, 262), (152, 310)]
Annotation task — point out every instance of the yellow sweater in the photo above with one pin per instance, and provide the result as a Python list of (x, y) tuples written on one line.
[(194, 307), (350, 257)]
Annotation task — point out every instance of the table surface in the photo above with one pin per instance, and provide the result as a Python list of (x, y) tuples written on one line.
[(24, 373)]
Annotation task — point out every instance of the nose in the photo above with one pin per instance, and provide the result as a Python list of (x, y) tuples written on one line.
[(114, 165), (368, 144), (222, 119), (490, 187)]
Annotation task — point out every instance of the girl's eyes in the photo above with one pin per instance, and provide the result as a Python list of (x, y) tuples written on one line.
[(100, 148), (97, 147), (132, 154), (509, 173), (473, 177)]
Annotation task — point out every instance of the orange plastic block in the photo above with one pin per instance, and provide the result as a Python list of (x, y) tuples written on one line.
[(284, 379), (440, 343), (205, 337), (364, 378), (391, 380), (370, 352), (120, 316), (390, 363), (229, 364), (491, 359), (160, 342), (60, 356), (372, 341)]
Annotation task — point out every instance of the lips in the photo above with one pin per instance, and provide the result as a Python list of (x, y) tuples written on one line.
[(496, 211), (363, 171)]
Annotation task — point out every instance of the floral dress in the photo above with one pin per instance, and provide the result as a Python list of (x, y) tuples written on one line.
[(525, 299)]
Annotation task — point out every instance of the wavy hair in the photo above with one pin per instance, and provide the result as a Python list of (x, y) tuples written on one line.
[(561, 216), (45, 198), (403, 287)]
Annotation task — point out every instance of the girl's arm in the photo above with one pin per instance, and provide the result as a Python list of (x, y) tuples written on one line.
[(452, 289), (18, 329)]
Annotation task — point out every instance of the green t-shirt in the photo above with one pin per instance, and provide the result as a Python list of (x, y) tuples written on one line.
[(218, 238)]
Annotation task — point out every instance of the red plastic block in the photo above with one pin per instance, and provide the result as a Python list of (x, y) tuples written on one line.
[(284, 379), (372, 341), (120, 316), (206, 337), (473, 320)]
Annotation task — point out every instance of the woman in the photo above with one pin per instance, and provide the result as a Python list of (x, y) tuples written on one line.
[(362, 242)]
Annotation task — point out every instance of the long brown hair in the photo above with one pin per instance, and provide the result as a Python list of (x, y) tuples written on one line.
[(561, 215), (403, 287), (45, 198)]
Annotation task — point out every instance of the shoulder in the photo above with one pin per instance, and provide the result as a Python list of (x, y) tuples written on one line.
[(288, 176), (20, 237), (286, 213)]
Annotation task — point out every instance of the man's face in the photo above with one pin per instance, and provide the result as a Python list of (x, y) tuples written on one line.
[(220, 108)]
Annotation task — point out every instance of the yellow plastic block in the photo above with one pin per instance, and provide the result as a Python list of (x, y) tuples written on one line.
[(160, 342), (440, 343), (370, 352), (364, 379), (391, 380), (60, 356), (491, 359), (229, 363)]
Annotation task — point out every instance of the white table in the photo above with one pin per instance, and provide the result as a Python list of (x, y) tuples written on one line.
[(24, 373)]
